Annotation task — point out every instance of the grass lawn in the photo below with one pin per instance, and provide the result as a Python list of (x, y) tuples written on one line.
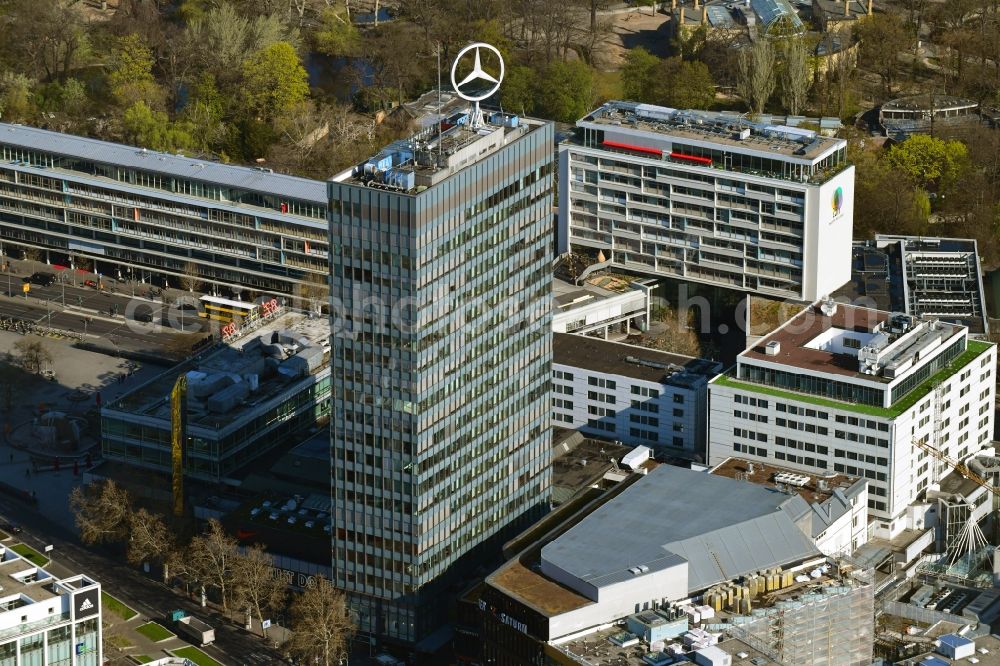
[(117, 607), (4, 536), (155, 632), (196, 655), (118, 641), (30, 554), (140, 658)]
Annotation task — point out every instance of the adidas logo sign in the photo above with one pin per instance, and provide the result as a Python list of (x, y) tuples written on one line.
[(86, 605)]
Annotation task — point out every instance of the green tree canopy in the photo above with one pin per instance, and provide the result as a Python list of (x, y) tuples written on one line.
[(152, 129), (274, 80), (517, 94), (928, 161), (336, 35), (567, 91), (639, 75), (131, 75), (685, 85)]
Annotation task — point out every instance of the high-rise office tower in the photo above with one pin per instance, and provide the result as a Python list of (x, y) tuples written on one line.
[(441, 360)]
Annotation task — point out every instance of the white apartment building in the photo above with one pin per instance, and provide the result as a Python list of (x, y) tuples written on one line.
[(47, 621), (841, 389), (710, 198), (634, 395)]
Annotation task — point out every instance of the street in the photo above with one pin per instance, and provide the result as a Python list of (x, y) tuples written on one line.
[(233, 646), (88, 312)]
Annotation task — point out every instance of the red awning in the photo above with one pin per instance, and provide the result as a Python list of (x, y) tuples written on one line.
[(629, 146), (59, 267), (691, 158)]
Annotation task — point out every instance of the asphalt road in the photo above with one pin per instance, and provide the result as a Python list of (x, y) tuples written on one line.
[(233, 646), (87, 311)]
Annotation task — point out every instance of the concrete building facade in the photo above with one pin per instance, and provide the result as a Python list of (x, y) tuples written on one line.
[(708, 198), (47, 621), (634, 395), (130, 213), (441, 361), (849, 390)]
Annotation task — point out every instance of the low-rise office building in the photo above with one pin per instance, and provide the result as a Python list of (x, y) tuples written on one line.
[(129, 212), (709, 198), (851, 390), (606, 305), (667, 541), (631, 394), (45, 620), (268, 388)]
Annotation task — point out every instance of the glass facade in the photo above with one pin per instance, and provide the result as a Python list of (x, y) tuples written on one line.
[(158, 224), (55, 647), (210, 454), (441, 369)]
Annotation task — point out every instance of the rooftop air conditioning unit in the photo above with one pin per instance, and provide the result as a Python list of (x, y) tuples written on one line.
[(772, 348)]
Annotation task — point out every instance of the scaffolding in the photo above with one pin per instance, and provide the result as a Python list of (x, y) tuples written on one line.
[(830, 624)]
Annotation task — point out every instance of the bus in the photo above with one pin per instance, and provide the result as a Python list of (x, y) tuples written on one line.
[(226, 310)]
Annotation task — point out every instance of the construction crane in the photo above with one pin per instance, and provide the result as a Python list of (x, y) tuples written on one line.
[(956, 465)]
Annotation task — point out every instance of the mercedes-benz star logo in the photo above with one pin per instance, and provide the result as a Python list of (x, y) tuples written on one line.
[(477, 73)]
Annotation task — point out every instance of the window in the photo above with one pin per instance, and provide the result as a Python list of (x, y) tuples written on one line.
[(678, 399), (679, 413), (601, 382)]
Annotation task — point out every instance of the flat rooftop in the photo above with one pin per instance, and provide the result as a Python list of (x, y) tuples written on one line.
[(439, 150), (252, 179), (928, 102), (797, 349), (596, 649), (740, 527), (921, 276), (594, 354), (721, 129), (764, 475), (580, 462), (568, 296), (834, 9), (240, 361)]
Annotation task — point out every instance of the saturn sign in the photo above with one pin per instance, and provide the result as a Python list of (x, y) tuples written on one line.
[(837, 203)]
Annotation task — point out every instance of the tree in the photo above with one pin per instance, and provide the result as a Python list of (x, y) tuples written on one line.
[(33, 355), (131, 75), (256, 588), (149, 540), (16, 103), (321, 625), (883, 37), (47, 37), (190, 280), (151, 129), (274, 80), (639, 75), (569, 90), (755, 81), (928, 161), (885, 200), (684, 85), (517, 94), (213, 555), (795, 76), (102, 512), (335, 35)]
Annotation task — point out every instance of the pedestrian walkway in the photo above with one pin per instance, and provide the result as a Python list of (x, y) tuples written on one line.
[(80, 376)]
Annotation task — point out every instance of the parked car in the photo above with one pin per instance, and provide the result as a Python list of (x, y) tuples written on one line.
[(11, 528)]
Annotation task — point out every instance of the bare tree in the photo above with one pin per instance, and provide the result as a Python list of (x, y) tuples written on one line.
[(102, 512), (190, 280), (149, 539), (213, 556), (755, 81), (33, 355), (795, 76), (255, 587), (321, 625)]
